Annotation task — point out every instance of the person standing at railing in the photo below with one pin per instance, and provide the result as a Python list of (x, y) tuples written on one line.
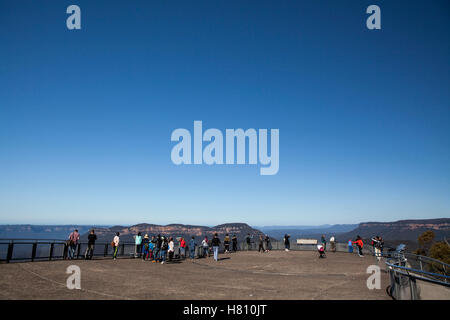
[(137, 245), (151, 247), (192, 245), (234, 241), (171, 248), (333, 244), (359, 244), (215, 242), (248, 239), (261, 244), (287, 244), (182, 248), (115, 244), (267, 243), (74, 237), (382, 245), (157, 249), (350, 246), (226, 243), (205, 246), (145, 247), (377, 245), (92, 237)]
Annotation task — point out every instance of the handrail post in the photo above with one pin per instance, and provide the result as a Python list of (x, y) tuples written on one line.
[(50, 255), (78, 249), (10, 252), (105, 252), (122, 249), (33, 251)]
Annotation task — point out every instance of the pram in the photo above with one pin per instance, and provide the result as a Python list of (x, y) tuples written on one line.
[(321, 251)]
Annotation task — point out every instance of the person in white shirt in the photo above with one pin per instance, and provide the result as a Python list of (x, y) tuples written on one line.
[(171, 248), (205, 246), (116, 245), (333, 244)]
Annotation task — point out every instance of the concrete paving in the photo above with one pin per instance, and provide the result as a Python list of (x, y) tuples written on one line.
[(250, 275)]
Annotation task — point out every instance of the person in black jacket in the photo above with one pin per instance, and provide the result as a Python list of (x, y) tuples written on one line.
[(157, 249), (287, 244), (267, 241), (234, 241), (248, 240), (92, 237), (261, 244), (215, 242)]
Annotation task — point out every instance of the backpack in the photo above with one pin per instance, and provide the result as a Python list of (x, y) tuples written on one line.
[(113, 244)]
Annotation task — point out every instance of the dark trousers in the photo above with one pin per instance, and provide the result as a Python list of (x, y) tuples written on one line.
[(156, 255), (89, 251)]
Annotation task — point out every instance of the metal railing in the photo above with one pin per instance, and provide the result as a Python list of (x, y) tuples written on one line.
[(54, 249), (414, 277), (13, 250)]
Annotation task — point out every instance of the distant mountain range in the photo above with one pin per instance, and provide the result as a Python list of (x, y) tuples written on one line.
[(176, 230), (28, 231), (403, 229), (406, 231), (313, 232)]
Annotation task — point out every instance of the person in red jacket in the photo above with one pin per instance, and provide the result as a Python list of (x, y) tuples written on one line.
[(182, 248), (359, 243)]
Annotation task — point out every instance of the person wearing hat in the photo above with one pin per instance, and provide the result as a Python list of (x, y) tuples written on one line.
[(146, 246), (234, 241)]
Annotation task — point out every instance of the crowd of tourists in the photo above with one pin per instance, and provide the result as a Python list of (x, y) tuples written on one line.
[(160, 248)]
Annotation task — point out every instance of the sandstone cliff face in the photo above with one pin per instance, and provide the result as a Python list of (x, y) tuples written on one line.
[(177, 230), (402, 230)]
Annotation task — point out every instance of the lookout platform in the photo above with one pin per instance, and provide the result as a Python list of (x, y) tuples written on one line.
[(277, 275)]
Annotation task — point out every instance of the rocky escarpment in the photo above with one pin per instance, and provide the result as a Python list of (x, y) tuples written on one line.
[(176, 230)]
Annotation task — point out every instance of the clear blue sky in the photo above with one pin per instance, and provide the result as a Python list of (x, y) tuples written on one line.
[(86, 116)]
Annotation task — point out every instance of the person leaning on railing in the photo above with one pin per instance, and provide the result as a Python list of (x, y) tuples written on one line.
[(74, 237), (92, 237)]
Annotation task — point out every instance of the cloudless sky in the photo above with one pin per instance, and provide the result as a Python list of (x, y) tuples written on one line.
[(86, 115)]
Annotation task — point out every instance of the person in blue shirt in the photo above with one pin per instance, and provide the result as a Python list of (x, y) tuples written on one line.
[(350, 246), (151, 246), (146, 246)]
